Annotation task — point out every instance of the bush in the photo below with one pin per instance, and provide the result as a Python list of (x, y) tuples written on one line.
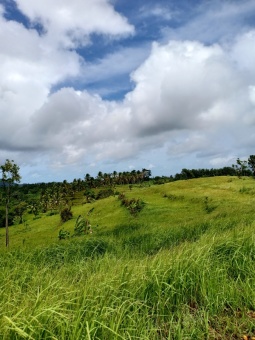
[(80, 226), (63, 234), (133, 205), (105, 193), (66, 214), (11, 217), (90, 195)]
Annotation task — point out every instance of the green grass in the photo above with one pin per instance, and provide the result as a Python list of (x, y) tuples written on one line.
[(182, 269)]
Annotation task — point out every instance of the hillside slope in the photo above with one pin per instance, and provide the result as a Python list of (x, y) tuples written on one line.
[(181, 268), (182, 204)]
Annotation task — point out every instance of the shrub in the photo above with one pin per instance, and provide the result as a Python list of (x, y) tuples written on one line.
[(11, 217), (66, 214), (105, 193), (63, 234), (90, 195), (133, 205), (80, 226)]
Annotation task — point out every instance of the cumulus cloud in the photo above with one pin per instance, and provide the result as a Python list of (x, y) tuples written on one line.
[(243, 52), (30, 69), (71, 23), (182, 87)]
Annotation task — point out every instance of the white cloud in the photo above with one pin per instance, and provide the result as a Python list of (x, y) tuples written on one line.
[(184, 91), (30, 69), (71, 23), (243, 52), (183, 85)]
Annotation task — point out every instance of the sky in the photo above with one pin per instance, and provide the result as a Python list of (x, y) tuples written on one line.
[(117, 85)]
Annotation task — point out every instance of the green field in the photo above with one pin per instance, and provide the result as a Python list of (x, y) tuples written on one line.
[(181, 268)]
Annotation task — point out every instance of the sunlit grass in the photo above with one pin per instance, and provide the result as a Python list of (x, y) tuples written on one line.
[(180, 203)]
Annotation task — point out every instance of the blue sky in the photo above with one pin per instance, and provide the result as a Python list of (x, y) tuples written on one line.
[(98, 85)]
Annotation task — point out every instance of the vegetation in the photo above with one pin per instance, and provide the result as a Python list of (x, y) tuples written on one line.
[(10, 175), (133, 205), (66, 214), (180, 267), (251, 163)]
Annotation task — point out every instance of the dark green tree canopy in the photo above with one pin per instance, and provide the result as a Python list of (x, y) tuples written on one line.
[(251, 163), (10, 173)]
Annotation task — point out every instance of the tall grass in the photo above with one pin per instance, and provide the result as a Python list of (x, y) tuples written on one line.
[(202, 289)]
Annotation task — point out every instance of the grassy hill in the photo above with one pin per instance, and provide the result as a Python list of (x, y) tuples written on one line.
[(181, 268)]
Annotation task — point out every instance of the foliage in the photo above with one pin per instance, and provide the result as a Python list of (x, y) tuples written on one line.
[(251, 163), (80, 226), (105, 193), (11, 216), (160, 180), (63, 234), (241, 167), (117, 178), (198, 173), (19, 210), (66, 214), (90, 195), (34, 208), (208, 205), (133, 205), (10, 175)]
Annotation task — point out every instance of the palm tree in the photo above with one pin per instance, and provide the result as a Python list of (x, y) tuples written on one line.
[(87, 177), (106, 178), (100, 178)]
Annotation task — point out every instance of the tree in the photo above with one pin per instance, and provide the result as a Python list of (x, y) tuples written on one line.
[(10, 175), (251, 163), (241, 167), (99, 178), (34, 208), (20, 210), (146, 174), (66, 214)]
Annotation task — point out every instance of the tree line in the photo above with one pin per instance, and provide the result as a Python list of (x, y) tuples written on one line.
[(241, 168)]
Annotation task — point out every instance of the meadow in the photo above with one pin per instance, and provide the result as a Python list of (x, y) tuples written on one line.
[(181, 268)]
